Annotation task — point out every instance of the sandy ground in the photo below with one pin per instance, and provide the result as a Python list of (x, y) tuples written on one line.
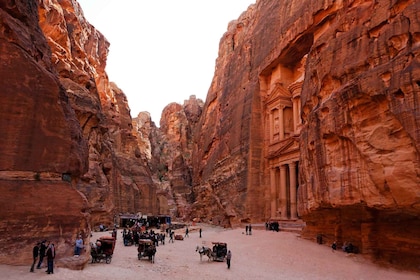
[(262, 255)]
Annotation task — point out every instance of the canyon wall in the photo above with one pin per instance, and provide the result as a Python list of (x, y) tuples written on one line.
[(70, 158), (169, 153), (360, 146), (353, 69)]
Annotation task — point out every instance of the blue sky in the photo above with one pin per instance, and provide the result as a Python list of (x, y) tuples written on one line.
[(162, 51)]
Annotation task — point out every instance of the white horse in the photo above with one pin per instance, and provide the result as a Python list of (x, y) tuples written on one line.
[(204, 251)]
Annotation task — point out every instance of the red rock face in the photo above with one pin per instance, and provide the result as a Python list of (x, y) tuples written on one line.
[(171, 153), (361, 141), (43, 151), (356, 65), (70, 156), (118, 179)]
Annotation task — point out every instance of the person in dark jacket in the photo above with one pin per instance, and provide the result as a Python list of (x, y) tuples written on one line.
[(42, 250), (50, 258), (35, 254)]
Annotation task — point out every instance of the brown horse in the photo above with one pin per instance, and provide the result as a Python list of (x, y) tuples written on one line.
[(204, 251)]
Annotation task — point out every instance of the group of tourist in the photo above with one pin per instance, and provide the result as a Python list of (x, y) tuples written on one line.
[(39, 252), (272, 225), (132, 236), (348, 247)]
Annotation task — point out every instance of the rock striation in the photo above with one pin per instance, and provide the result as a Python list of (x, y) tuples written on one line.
[(321, 124), (312, 115), (70, 158)]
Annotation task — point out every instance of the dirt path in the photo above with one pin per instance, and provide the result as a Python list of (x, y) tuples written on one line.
[(262, 255)]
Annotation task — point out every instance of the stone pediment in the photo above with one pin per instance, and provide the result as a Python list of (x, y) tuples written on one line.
[(278, 92), (287, 146)]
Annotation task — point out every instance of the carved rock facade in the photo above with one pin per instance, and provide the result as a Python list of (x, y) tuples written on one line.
[(321, 124)]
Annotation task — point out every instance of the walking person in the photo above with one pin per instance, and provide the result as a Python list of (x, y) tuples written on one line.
[(171, 236), (42, 250), (186, 232), (200, 232), (246, 229), (250, 229), (35, 254), (228, 258), (79, 246), (50, 258)]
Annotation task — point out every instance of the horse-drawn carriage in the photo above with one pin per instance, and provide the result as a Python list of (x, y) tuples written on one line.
[(218, 253), (147, 249), (102, 249)]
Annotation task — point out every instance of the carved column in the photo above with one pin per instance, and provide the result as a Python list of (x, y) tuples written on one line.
[(271, 124), (281, 122), (296, 89), (299, 112), (283, 192), (273, 193), (293, 199), (295, 114)]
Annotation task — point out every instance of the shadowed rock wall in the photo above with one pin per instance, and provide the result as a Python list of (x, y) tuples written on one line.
[(70, 157), (43, 150)]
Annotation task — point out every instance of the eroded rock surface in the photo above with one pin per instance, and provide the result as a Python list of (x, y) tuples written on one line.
[(170, 154), (70, 156), (358, 134)]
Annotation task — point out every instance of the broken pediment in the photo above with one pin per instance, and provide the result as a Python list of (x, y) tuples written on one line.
[(287, 146), (278, 95)]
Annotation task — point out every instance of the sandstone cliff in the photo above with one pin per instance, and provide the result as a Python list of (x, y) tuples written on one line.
[(170, 153), (354, 68), (70, 159)]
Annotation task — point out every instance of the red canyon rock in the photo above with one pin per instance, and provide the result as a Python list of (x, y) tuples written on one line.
[(43, 151), (312, 115), (171, 153), (70, 157)]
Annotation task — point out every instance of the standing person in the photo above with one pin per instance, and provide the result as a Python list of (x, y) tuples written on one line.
[(200, 232), (334, 246), (50, 258), (228, 258), (114, 233), (42, 250), (246, 229), (35, 253), (186, 232), (250, 229), (79, 246)]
